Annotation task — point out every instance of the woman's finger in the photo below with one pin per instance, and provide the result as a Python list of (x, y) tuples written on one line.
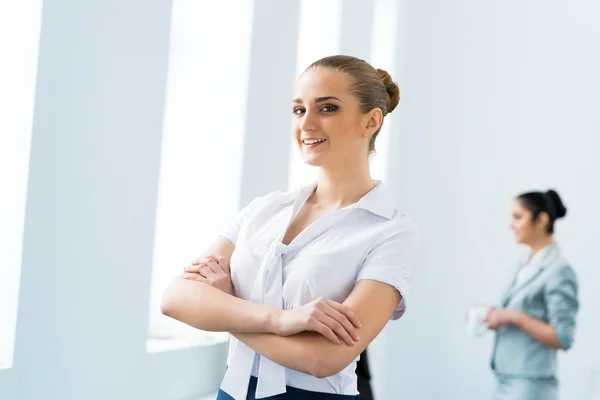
[(223, 263), (324, 330), (206, 271), (200, 260), (340, 329), (350, 333), (195, 268), (194, 277), (213, 267), (344, 309)]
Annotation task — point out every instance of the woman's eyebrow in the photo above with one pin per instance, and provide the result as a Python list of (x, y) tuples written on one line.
[(319, 99)]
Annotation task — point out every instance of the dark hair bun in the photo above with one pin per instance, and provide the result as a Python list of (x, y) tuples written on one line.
[(560, 208), (392, 88)]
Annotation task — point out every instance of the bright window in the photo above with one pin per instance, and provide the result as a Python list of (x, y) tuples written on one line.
[(319, 36), (19, 44), (384, 55), (200, 175)]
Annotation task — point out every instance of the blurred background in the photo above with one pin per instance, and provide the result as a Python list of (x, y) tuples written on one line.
[(132, 131)]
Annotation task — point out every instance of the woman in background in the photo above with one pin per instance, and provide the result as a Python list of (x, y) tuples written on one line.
[(537, 316)]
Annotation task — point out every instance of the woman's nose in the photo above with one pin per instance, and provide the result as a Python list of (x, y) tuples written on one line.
[(308, 122)]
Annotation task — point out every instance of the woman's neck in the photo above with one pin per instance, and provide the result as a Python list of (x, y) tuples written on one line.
[(341, 187), (540, 244)]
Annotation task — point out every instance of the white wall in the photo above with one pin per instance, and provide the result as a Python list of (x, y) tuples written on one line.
[(500, 97)]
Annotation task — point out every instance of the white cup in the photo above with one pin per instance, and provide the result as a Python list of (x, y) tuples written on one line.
[(476, 325)]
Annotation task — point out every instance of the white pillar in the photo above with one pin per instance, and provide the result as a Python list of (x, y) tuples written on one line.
[(271, 81), (19, 42), (87, 251)]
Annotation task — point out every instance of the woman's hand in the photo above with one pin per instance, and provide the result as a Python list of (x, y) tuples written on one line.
[(500, 317), (333, 320), (212, 270)]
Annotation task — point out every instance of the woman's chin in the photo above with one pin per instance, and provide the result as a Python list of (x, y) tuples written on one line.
[(310, 159)]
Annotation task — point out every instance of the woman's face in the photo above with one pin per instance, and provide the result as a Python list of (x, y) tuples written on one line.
[(328, 127), (526, 230)]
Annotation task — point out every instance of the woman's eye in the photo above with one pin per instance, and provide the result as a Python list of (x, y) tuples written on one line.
[(298, 111), (329, 108)]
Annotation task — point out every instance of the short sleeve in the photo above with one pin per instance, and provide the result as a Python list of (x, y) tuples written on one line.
[(392, 261), (232, 231), (563, 304)]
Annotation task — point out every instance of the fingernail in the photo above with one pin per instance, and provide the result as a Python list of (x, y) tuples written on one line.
[(357, 338)]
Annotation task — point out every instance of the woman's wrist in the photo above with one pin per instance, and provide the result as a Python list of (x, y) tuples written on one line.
[(273, 321), (515, 317)]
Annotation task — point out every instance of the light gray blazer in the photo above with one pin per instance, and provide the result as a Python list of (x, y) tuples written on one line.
[(551, 296)]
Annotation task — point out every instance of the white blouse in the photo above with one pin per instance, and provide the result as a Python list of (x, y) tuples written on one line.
[(531, 266), (369, 239)]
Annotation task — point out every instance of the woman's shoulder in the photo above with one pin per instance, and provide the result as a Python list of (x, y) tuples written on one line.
[(559, 264), (273, 196), (269, 202), (400, 225), (402, 220), (379, 202), (561, 270), (399, 235), (282, 198)]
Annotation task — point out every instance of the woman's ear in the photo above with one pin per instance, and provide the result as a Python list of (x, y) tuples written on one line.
[(543, 219), (374, 118)]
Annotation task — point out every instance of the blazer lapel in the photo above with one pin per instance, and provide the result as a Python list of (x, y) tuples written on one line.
[(509, 289), (548, 259)]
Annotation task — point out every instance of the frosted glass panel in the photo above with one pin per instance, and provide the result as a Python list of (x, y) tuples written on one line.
[(19, 44)]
